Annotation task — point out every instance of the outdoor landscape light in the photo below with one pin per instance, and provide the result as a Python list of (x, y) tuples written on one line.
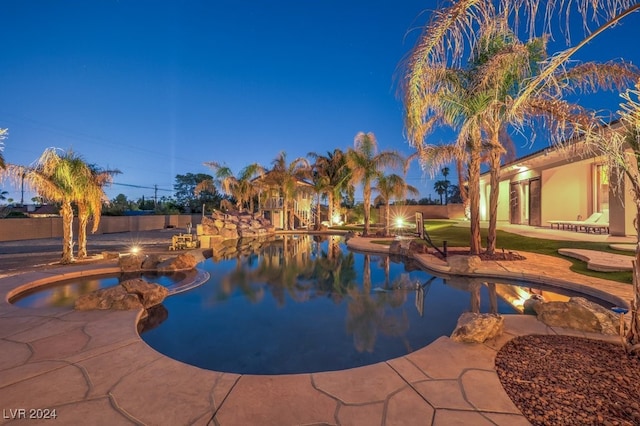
[(135, 249)]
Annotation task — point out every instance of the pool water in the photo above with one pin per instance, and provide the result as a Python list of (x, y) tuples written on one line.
[(65, 293), (301, 304)]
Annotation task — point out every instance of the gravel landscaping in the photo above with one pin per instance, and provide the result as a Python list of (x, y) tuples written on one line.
[(565, 380)]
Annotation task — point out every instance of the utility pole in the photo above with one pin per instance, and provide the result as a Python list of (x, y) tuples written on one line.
[(155, 195)]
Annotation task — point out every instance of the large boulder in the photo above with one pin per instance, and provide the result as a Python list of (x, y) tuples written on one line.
[(463, 264), (131, 262), (150, 294), (476, 328), (151, 262), (580, 314), (182, 262), (131, 294)]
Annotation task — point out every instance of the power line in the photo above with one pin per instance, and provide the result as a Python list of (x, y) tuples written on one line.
[(155, 187)]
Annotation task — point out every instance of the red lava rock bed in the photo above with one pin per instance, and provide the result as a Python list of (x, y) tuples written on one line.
[(565, 380)]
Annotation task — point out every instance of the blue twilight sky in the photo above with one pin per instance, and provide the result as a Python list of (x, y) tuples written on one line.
[(156, 88)]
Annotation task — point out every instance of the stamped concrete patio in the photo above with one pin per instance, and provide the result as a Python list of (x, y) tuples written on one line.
[(93, 368)]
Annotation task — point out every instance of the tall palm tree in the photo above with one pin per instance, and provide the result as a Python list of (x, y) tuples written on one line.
[(493, 93), (320, 186), (3, 135), (90, 203), (241, 187), (334, 168), (388, 187), (366, 164), (286, 177)]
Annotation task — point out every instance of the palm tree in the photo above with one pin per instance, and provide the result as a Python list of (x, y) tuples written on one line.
[(90, 204), (488, 96), (286, 177), (445, 173), (243, 187), (333, 167), (61, 178), (441, 186), (366, 164), (388, 187), (3, 135)]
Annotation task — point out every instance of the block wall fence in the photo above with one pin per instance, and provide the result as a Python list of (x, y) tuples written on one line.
[(51, 227)]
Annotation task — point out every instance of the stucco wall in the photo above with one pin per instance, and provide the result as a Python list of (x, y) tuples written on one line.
[(449, 211), (51, 227), (566, 192)]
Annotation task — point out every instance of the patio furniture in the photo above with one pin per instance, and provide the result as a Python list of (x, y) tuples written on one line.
[(602, 224), (576, 224)]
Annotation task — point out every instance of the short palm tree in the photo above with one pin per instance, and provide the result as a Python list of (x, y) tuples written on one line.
[(367, 164), (60, 177), (242, 187), (389, 187)]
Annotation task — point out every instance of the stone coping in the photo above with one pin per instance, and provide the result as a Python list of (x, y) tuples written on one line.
[(92, 367), (536, 268)]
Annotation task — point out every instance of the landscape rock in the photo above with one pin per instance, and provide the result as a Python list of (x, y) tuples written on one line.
[(476, 328), (580, 314), (149, 294), (233, 225), (182, 262), (131, 262), (151, 262), (460, 264), (108, 255), (129, 295)]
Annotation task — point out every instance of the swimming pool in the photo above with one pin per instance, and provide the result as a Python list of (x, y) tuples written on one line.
[(300, 304), (307, 304)]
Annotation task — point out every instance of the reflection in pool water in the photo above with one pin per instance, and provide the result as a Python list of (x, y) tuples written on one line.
[(65, 293), (305, 304)]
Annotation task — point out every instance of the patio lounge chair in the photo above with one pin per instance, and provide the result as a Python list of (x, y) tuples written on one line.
[(576, 224), (602, 224)]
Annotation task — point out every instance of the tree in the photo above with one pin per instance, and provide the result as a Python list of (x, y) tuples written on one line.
[(243, 188), (445, 173), (90, 203), (366, 164), (389, 187), (3, 136), (185, 192), (286, 177), (441, 187), (60, 177), (334, 169), (621, 148), (496, 92)]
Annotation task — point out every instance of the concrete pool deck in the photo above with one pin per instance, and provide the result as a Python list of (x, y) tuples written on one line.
[(93, 368)]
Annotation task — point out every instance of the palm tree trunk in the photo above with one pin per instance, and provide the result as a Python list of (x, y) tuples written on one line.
[(330, 211), (494, 165), (367, 201), (83, 220), (67, 233), (387, 211), (475, 244)]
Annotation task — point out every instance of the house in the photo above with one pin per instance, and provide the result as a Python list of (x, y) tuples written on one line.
[(559, 184), (272, 202)]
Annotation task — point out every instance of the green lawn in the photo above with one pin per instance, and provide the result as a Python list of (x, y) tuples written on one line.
[(441, 230)]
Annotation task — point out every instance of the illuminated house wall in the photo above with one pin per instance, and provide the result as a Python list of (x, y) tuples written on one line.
[(558, 185)]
